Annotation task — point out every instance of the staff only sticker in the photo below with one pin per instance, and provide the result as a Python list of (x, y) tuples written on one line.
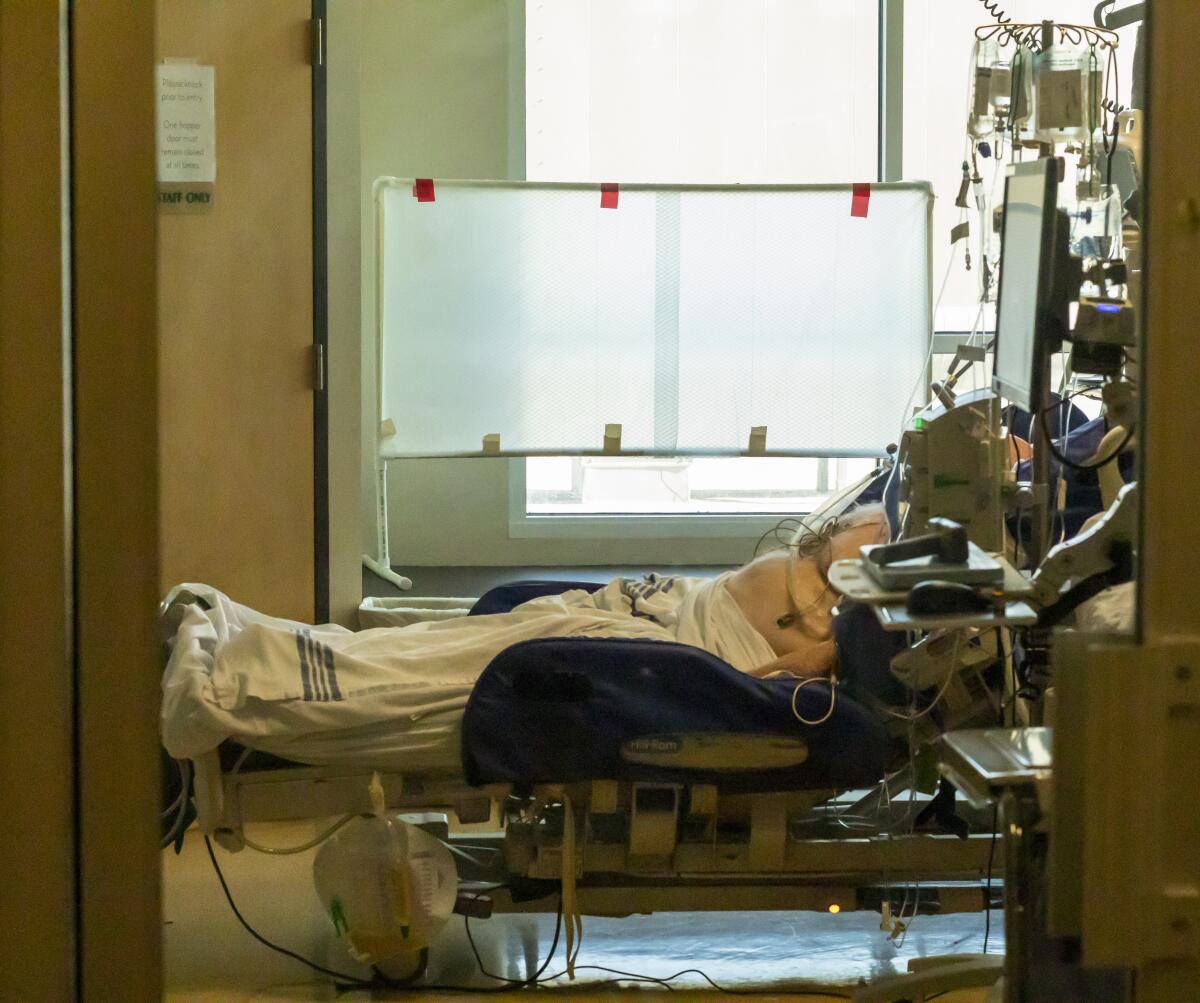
[(187, 149)]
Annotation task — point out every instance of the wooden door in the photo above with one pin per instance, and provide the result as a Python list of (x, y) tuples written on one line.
[(37, 769), (236, 315)]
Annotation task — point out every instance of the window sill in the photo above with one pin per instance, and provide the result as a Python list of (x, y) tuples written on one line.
[(640, 527)]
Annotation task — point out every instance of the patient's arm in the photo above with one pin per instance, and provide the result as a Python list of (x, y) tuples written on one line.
[(815, 659)]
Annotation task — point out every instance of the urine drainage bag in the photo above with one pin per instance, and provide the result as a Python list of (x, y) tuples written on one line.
[(388, 887)]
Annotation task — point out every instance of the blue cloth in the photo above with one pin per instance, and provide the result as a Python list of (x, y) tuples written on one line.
[(1083, 486), (557, 710), (503, 598), (1019, 422), (865, 652)]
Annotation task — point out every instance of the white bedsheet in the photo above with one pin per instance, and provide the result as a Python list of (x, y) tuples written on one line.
[(1109, 612), (392, 698), (697, 611)]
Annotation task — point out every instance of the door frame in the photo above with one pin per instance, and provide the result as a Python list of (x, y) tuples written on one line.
[(37, 659), (114, 286), (320, 283)]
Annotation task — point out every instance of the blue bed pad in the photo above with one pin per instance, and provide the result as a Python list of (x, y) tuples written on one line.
[(503, 598), (559, 710)]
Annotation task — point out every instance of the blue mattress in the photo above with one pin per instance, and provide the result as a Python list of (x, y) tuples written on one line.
[(559, 710)]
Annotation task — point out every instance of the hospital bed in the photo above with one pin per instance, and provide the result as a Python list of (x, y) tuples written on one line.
[(692, 786)]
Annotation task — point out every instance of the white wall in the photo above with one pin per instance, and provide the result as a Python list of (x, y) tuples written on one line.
[(456, 512), (441, 94), (434, 102)]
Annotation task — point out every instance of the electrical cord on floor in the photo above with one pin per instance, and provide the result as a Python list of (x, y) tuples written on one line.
[(666, 981), (340, 976), (343, 980), (517, 983), (537, 980), (380, 981)]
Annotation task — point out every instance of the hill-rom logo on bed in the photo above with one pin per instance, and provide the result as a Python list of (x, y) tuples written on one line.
[(722, 753)]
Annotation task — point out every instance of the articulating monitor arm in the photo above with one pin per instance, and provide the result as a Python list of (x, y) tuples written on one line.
[(1098, 550)]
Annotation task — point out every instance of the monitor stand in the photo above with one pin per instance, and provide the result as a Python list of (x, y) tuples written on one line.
[(1039, 510)]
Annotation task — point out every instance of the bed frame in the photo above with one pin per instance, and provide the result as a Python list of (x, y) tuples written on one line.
[(646, 847)]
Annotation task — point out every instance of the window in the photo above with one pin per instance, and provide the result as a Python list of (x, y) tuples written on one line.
[(708, 92), (628, 90), (603, 485)]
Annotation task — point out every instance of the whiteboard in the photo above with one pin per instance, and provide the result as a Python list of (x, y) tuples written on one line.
[(687, 315)]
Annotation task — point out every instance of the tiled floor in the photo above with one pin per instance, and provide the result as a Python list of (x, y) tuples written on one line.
[(210, 957)]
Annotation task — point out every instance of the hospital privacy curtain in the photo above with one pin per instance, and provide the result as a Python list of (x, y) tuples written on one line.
[(688, 315)]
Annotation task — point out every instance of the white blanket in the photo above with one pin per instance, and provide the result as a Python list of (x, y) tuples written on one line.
[(697, 611), (1112, 611), (392, 698)]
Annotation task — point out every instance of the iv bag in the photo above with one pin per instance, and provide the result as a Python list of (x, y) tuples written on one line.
[(1068, 82), (1000, 84), (981, 122), (1021, 93), (1096, 225), (387, 886)]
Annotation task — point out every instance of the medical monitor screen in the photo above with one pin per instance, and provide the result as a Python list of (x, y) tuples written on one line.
[(1029, 199)]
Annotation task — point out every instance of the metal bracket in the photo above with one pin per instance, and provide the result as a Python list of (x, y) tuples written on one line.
[(318, 363), (1106, 17), (316, 52)]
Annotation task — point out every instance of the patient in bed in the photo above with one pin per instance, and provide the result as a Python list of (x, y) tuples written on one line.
[(786, 596), (324, 694)]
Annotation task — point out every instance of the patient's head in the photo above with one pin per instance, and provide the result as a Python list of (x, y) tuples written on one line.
[(841, 536)]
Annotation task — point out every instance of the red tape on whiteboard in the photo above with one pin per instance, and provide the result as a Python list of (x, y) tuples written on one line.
[(860, 200), (423, 189), (608, 195)]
